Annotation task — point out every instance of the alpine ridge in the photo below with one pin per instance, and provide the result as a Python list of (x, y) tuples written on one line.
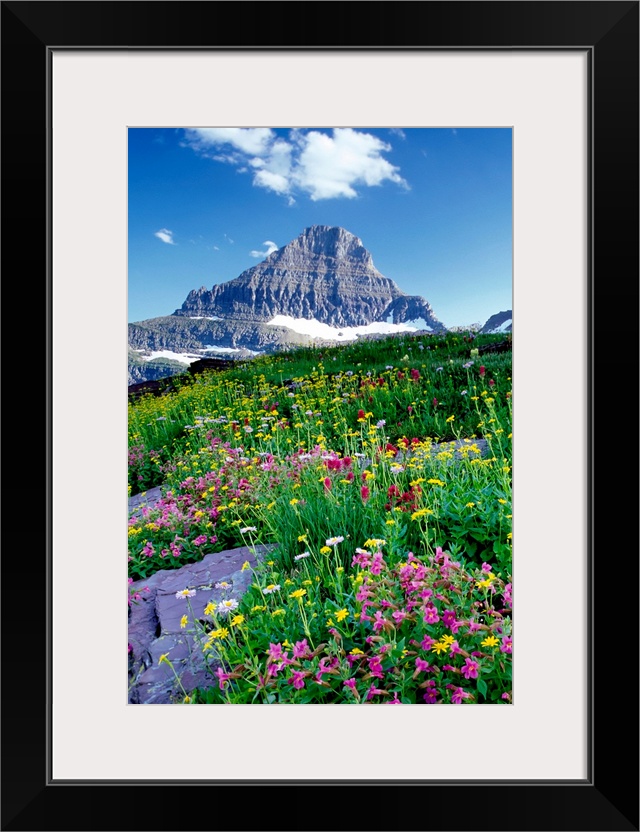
[(325, 274)]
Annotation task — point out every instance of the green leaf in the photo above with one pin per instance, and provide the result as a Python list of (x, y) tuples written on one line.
[(482, 687)]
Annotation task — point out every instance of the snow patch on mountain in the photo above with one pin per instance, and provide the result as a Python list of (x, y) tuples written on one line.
[(316, 329)]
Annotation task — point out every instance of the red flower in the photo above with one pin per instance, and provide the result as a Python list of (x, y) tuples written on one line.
[(364, 493), (482, 370), (491, 382), (435, 402), (361, 414)]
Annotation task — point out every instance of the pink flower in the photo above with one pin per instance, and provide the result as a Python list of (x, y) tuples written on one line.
[(300, 649), (379, 622), (297, 679), (223, 678), (374, 691), (327, 484), (458, 695), (482, 370), (421, 665), (507, 644), (275, 652), (398, 616), (431, 615), (486, 567), (470, 669), (375, 667), (350, 683), (431, 694), (365, 493)]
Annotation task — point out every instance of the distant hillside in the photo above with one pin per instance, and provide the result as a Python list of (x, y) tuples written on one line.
[(501, 322)]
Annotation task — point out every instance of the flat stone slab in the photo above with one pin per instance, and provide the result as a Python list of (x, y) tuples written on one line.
[(154, 623), (145, 499)]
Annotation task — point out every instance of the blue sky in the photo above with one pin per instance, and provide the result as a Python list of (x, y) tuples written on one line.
[(432, 206)]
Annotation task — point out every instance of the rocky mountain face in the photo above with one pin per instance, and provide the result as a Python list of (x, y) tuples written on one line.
[(182, 334), (326, 273), (500, 322)]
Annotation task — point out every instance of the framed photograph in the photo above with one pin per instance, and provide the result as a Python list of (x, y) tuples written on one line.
[(562, 78)]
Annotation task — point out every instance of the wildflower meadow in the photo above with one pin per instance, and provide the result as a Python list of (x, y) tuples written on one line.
[(378, 476)]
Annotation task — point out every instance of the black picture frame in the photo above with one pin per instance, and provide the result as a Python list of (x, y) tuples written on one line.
[(608, 798)]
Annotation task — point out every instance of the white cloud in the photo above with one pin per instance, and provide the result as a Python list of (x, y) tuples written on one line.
[(271, 247), (330, 166), (397, 131), (253, 141), (165, 235), (319, 164)]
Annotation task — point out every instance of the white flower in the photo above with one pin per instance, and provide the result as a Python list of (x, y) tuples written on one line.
[(248, 529), (381, 423), (389, 367), (439, 369), (226, 606), (333, 541), (303, 555), (248, 429), (186, 593), (268, 590), (222, 585)]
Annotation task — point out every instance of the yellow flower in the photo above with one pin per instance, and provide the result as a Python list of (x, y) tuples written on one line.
[(389, 522), (469, 505), (236, 620), (277, 612), (293, 502), (325, 550), (298, 593), (210, 608), (509, 536), (484, 584), (447, 639), (186, 700), (342, 614), (307, 583), (246, 565), (439, 647), (183, 622), (258, 608), (434, 481), (490, 641), (356, 652), (302, 538), (451, 418), (163, 658), (422, 512)]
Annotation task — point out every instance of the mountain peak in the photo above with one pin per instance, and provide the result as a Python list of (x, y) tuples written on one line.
[(325, 274)]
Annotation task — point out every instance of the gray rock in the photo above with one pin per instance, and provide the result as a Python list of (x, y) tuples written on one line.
[(154, 624)]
